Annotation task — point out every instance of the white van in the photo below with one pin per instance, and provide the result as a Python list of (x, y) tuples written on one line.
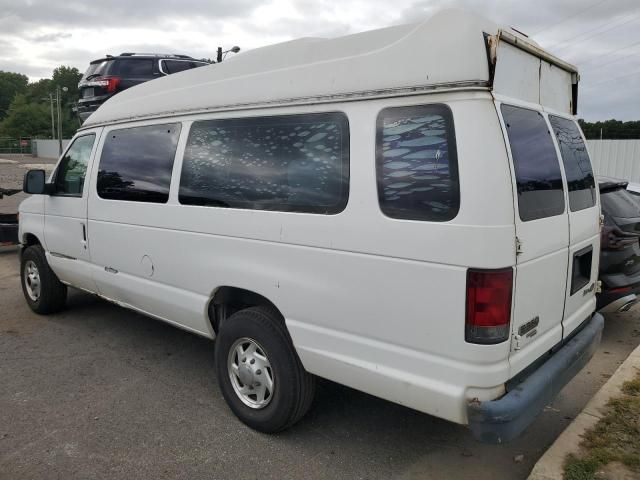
[(409, 211)]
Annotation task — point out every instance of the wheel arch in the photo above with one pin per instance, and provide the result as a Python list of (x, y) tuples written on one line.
[(29, 239), (226, 300)]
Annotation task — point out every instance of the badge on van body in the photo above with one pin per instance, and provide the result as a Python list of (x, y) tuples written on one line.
[(527, 327)]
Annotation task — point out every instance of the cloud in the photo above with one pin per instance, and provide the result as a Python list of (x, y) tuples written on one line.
[(33, 72), (114, 13), (50, 37)]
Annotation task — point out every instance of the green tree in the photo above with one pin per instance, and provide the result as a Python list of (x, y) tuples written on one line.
[(10, 84), (70, 122), (67, 77), (26, 119), (611, 129), (40, 90)]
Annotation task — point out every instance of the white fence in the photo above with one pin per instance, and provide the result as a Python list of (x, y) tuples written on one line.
[(47, 148), (616, 158)]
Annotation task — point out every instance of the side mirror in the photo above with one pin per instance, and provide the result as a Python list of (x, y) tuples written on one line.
[(34, 182)]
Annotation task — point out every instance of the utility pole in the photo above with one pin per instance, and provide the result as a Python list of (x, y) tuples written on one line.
[(59, 120), (53, 129), (600, 133), (59, 100)]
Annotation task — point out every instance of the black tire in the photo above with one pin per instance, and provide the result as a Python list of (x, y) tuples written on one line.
[(294, 387), (53, 293)]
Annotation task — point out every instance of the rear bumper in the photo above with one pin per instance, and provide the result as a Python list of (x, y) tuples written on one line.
[(86, 108), (621, 304), (501, 420), (609, 301)]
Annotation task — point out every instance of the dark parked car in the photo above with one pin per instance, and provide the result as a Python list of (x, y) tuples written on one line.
[(107, 76), (620, 247), (8, 222)]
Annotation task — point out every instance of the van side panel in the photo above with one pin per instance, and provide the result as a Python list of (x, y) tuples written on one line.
[(372, 302)]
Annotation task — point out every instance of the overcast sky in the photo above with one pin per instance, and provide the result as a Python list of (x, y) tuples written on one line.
[(601, 36)]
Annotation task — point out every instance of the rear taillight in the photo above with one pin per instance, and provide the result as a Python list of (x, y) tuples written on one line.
[(488, 305), (108, 83), (613, 238)]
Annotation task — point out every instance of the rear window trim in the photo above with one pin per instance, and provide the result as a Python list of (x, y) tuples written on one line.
[(311, 210), (565, 180), (512, 164), (127, 127), (449, 118)]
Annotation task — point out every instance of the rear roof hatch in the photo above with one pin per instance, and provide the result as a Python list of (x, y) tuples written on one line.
[(521, 69)]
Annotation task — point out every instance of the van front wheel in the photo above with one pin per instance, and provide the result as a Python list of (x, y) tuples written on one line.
[(259, 372), (42, 289)]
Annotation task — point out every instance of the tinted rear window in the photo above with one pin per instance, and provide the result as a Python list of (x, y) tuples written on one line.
[(417, 165), (98, 68), (292, 163), (537, 169), (136, 163), (139, 67), (620, 203), (577, 166)]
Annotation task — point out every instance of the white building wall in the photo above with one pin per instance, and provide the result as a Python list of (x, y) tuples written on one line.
[(616, 158), (47, 148)]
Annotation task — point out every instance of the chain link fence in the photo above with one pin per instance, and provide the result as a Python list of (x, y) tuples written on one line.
[(12, 145)]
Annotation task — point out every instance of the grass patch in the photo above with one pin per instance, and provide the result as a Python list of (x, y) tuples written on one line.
[(615, 438)]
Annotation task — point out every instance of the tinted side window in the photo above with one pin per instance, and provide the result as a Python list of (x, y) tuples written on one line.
[(538, 176), (136, 163), (175, 66), (577, 167), (293, 163), (417, 164), (73, 167), (141, 67)]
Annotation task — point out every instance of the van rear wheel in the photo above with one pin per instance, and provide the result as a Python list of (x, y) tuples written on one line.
[(42, 289), (259, 372)]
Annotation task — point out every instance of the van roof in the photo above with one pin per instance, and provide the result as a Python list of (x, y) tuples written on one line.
[(445, 51)]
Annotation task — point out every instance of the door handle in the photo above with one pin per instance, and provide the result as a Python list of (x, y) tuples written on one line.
[(84, 235)]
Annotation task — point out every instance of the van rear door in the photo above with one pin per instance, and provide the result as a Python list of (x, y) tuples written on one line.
[(542, 235), (557, 219), (584, 222)]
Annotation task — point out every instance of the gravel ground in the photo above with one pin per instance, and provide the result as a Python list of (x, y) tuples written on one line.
[(98, 391), (12, 170)]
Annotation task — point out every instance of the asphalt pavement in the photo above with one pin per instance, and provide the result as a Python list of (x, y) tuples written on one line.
[(100, 392)]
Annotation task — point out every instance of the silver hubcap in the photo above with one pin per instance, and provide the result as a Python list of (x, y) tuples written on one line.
[(250, 373), (32, 280)]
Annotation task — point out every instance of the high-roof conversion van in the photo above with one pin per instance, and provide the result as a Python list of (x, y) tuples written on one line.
[(409, 211)]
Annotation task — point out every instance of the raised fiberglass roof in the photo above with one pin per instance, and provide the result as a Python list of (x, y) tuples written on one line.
[(447, 48)]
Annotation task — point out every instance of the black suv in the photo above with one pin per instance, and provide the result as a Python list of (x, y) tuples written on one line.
[(620, 247), (107, 76)]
